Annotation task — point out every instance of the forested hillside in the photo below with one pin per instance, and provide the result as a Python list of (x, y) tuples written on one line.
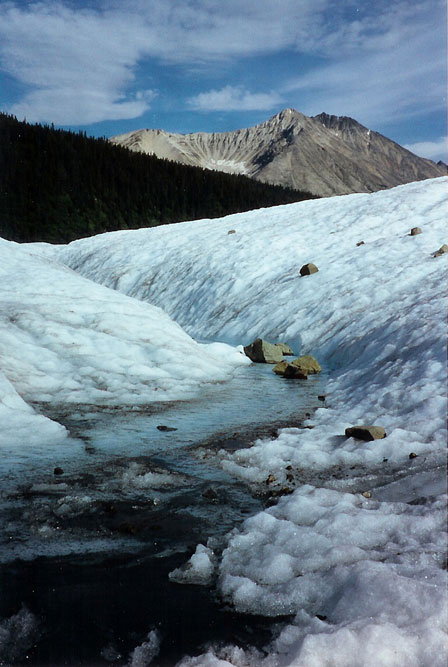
[(58, 186)]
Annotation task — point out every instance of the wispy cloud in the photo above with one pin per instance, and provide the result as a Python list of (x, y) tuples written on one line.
[(385, 67), (434, 150), (378, 61), (80, 64), (233, 98)]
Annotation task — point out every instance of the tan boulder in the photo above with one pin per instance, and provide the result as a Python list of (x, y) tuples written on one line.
[(279, 368), (307, 363), (263, 352), (414, 231), (285, 349), (308, 269), (294, 372), (365, 432)]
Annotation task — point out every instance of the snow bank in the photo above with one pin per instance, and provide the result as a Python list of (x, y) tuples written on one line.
[(66, 340)]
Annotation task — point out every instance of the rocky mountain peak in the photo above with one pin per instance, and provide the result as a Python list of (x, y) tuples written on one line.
[(324, 154)]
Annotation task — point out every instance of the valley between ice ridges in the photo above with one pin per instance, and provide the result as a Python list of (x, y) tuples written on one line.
[(371, 568)]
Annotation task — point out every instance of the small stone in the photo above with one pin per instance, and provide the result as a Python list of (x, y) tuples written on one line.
[(415, 231), (441, 251), (412, 455), (367, 494), (231, 231), (288, 468), (360, 243), (210, 494), (385, 460), (321, 397), (365, 432), (58, 471), (164, 428), (308, 269), (270, 479)]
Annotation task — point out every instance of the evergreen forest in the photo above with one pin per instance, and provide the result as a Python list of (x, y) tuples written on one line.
[(58, 186)]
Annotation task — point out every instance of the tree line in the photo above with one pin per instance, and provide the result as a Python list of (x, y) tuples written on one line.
[(58, 186)]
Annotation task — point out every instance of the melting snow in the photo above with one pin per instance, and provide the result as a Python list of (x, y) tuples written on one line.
[(363, 578)]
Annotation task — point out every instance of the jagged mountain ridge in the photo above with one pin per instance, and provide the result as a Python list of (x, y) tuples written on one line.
[(324, 154)]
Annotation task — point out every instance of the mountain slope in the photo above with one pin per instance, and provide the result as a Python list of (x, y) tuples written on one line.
[(325, 155)]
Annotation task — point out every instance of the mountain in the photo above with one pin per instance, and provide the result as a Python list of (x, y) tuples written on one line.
[(325, 155)]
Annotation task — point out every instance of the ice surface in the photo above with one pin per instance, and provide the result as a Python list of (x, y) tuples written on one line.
[(363, 579), (66, 340), (199, 569)]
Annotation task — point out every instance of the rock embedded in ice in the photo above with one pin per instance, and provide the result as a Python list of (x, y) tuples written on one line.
[(231, 231), (263, 352), (308, 269), (365, 432), (441, 251), (414, 231)]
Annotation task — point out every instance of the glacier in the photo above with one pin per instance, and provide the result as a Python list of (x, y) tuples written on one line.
[(355, 555)]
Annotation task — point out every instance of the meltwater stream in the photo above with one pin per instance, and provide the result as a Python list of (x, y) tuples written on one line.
[(88, 551)]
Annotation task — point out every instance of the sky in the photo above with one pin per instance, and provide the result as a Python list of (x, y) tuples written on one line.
[(109, 67)]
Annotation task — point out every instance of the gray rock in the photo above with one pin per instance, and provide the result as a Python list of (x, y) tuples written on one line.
[(263, 352), (231, 231), (365, 432), (308, 269), (414, 231)]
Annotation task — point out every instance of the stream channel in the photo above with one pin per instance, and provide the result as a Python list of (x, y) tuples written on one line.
[(88, 551)]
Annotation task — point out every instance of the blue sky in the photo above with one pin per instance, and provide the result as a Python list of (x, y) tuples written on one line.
[(217, 65)]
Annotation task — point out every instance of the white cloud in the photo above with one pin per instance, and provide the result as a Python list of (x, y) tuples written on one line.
[(433, 150), (233, 98), (381, 61), (386, 67), (80, 63)]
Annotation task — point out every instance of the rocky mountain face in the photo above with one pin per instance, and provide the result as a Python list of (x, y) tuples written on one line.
[(325, 155)]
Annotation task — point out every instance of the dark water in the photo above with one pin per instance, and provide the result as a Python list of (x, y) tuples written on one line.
[(88, 552)]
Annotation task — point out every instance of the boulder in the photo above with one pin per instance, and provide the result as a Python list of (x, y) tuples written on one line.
[(285, 349), (307, 363), (441, 251), (279, 368), (365, 432), (360, 243), (263, 352), (308, 269), (414, 231), (295, 372)]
